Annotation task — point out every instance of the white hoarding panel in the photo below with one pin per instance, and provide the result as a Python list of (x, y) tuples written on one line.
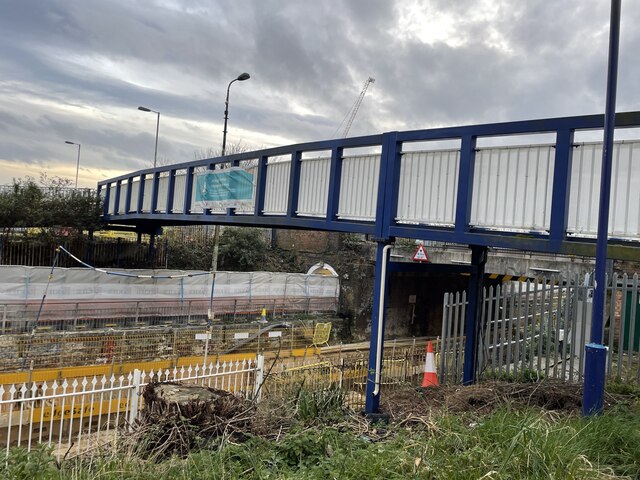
[(112, 199), (122, 202), (359, 187), (314, 187), (428, 187), (135, 191), (179, 188), (624, 209), (28, 284), (148, 192), (277, 190), (163, 191), (512, 188)]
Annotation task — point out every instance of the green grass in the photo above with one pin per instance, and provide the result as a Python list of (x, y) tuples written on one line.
[(506, 444)]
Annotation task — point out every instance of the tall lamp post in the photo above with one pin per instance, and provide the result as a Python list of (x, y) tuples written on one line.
[(240, 78), (216, 229), (155, 153), (78, 162)]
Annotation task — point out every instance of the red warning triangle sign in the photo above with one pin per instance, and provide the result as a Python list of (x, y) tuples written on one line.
[(420, 255)]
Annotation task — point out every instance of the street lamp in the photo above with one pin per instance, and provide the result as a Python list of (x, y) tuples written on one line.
[(242, 77), (78, 162), (216, 229), (155, 153)]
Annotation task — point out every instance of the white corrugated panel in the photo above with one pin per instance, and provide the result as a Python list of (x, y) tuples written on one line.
[(178, 192), (314, 187), (512, 188), (148, 192), (624, 212), (122, 202), (112, 199), (135, 191), (359, 187), (277, 190), (428, 187), (163, 190)]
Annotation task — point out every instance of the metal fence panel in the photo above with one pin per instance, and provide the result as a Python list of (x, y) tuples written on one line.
[(538, 329)]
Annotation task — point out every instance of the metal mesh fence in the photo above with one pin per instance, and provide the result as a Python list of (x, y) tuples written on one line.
[(346, 371), (83, 316), (111, 347)]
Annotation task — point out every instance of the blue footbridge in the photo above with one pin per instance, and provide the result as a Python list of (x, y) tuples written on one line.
[(481, 185)]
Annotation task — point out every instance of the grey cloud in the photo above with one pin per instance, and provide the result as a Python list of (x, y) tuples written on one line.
[(310, 54)]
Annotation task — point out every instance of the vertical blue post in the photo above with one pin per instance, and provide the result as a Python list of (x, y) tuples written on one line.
[(154, 192), (474, 313), (335, 178), (593, 396), (127, 201), (140, 199), (465, 184), (561, 186), (171, 191), (595, 359), (116, 203), (107, 198), (261, 186), (377, 330), (188, 190), (294, 184)]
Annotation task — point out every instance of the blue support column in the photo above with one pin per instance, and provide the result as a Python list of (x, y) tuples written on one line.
[(335, 178), (294, 184), (594, 371), (140, 199), (107, 198), (171, 190), (127, 207), (261, 186), (188, 190), (154, 192), (116, 203), (595, 360), (377, 330), (561, 186), (474, 313), (465, 183)]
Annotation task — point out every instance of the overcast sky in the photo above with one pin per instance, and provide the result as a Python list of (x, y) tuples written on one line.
[(78, 70)]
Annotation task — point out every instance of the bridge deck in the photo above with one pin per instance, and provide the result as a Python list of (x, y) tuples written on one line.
[(534, 197)]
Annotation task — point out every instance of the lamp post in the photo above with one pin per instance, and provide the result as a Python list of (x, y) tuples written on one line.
[(216, 229), (242, 77), (78, 162), (155, 153)]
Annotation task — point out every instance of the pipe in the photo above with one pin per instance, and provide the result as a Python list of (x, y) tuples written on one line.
[(383, 285)]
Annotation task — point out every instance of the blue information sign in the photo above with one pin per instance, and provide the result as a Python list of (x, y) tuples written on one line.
[(229, 187)]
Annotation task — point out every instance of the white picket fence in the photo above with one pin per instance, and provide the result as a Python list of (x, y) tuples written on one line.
[(77, 415)]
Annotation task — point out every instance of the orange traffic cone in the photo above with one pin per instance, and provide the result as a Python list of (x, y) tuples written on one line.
[(430, 378)]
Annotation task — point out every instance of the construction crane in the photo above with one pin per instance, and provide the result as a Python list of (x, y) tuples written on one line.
[(347, 121)]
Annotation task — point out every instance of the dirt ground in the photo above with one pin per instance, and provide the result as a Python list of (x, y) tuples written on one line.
[(486, 397)]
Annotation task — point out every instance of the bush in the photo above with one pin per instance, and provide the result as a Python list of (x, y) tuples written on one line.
[(242, 250)]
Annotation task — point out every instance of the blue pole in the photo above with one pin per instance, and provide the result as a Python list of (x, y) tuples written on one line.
[(372, 401), (595, 361), (474, 313)]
